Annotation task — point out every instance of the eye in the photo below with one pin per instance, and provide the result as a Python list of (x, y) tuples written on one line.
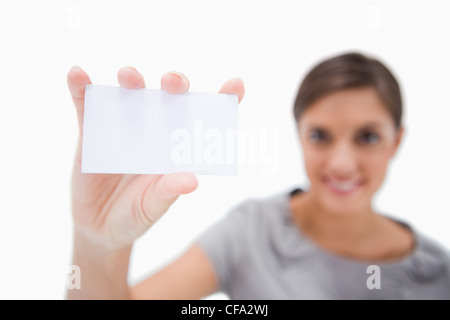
[(368, 138), (319, 136)]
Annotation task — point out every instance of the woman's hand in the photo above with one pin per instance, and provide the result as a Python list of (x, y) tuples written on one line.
[(112, 209)]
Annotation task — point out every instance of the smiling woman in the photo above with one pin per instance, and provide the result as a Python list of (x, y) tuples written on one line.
[(326, 242), (349, 115), (348, 138)]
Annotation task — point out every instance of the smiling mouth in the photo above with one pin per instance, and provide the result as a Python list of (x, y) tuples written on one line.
[(342, 187)]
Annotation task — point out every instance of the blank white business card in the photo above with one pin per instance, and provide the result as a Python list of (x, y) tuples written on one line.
[(147, 131)]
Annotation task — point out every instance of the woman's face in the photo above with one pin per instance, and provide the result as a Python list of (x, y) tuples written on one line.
[(348, 138)]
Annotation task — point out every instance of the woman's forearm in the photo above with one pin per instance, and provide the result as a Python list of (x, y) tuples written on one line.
[(103, 270)]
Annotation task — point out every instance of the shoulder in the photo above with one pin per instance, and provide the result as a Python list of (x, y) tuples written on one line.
[(430, 260), (262, 208), (429, 247), (424, 245), (266, 223), (429, 269)]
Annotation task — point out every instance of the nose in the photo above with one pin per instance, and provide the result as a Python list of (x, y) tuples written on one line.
[(342, 162)]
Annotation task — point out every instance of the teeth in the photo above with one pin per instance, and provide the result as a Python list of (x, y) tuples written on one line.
[(343, 186)]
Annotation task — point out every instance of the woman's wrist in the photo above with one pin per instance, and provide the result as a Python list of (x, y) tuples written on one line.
[(103, 268)]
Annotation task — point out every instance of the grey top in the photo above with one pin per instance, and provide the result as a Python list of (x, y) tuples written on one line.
[(258, 252)]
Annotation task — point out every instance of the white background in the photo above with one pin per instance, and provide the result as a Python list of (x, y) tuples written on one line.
[(269, 44)]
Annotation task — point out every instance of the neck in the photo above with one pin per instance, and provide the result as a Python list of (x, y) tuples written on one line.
[(332, 229)]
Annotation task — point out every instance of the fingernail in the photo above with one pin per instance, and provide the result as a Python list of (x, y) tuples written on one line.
[(133, 68), (177, 74), (75, 67), (240, 79)]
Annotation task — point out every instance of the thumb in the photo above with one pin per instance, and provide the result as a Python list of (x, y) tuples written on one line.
[(159, 197)]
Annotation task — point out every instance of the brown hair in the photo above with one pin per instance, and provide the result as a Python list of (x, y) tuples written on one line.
[(350, 70)]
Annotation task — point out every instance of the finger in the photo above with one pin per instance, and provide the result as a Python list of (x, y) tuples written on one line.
[(174, 83), (77, 79), (234, 86), (167, 189), (130, 78), (174, 184)]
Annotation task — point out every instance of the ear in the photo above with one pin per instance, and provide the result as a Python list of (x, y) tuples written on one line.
[(398, 139)]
